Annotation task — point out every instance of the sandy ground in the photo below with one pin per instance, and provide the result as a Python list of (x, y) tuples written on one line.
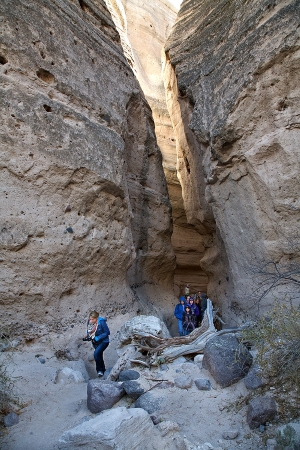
[(203, 416)]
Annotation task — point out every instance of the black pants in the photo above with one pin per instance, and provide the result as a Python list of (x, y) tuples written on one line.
[(98, 356)]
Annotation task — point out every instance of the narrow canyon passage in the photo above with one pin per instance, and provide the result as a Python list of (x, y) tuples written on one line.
[(144, 29)]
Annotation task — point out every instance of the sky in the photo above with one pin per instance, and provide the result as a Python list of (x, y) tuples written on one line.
[(176, 3)]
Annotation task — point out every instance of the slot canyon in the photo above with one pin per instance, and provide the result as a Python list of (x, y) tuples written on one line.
[(144, 148), (147, 146)]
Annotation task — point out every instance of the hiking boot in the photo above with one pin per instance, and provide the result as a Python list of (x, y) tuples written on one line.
[(100, 374)]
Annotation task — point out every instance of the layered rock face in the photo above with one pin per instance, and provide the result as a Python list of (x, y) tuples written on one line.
[(144, 28), (83, 194), (232, 85)]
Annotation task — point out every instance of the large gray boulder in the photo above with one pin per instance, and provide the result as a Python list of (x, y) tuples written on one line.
[(118, 429), (142, 324), (103, 394), (226, 359), (261, 410)]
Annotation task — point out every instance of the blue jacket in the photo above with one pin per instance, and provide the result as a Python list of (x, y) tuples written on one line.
[(102, 331), (179, 310)]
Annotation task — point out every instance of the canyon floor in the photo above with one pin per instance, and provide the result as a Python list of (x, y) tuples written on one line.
[(51, 408)]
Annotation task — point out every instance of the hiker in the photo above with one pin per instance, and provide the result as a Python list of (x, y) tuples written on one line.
[(98, 332), (187, 289), (188, 321), (197, 303), (178, 313), (194, 308), (203, 304)]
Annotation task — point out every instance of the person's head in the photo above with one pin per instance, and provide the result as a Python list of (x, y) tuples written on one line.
[(197, 301), (187, 309), (191, 301), (188, 299), (182, 301), (93, 317)]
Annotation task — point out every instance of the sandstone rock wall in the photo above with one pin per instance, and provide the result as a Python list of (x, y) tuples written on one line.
[(232, 76), (83, 195)]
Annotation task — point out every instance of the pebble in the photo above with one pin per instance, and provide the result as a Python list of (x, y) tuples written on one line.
[(11, 419)]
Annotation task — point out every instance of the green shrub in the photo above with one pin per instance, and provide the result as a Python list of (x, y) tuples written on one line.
[(286, 439), (276, 338), (7, 399)]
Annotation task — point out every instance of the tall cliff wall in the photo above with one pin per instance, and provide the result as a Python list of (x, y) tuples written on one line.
[(84, 205), (232, 79)]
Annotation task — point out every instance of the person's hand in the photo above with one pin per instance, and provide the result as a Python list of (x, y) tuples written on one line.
[(87, 338)]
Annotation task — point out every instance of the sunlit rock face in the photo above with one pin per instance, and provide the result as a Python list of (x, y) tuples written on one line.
[(144, 28), (85, 212), (232, 79)]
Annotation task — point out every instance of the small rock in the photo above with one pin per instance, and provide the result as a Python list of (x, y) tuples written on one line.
[(261, 410), (149, 402), (202, 384), (163, 367), (11, 419), (155, 419), (252, 380), (168, 427), (198, 359), (42, 360), (183, 382), (129, 374), (70, 230), (133, 389), (230, 434)]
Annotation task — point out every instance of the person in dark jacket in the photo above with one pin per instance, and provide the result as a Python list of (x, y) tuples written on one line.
[(98, 332), (188, 321), (178, 313), (195, 310), (203, 304)]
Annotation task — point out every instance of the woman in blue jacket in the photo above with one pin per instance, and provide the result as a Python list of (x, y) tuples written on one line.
[(98, 332), (178, 313)]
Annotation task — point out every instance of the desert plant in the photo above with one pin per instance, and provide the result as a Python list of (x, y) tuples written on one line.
[(7, 398), (286, 439), (276, 337)]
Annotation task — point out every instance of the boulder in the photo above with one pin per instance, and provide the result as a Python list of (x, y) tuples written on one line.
[(260, 411), (149, 401), (142, 324), (183, 382), (203, 384), (103, 394), (133, 389), (10, 419), (126, 375), (252, 380), (119, 428), (226, 359)]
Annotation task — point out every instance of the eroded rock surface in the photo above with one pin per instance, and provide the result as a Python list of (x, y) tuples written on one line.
[(232, 86), (83, 194)]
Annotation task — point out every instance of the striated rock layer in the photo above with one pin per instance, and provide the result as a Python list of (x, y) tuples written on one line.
[(84, 205), (232, 79), (144, 28)]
